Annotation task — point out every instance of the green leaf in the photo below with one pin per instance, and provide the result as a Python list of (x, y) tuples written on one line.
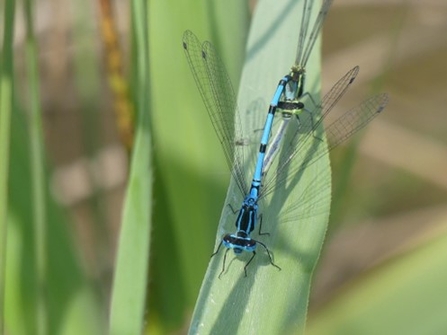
[(130, 280), (269, 301), (6, 99), (38, 176), (405, 295), (190, 174)]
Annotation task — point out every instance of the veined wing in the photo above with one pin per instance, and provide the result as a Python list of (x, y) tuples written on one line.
[(305, 45), (220, 100), (307, 147)]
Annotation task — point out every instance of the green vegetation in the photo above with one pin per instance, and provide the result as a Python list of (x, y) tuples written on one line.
[(95, 239)]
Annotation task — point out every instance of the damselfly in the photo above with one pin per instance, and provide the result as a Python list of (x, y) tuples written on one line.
[(220, 100), (295, 90)]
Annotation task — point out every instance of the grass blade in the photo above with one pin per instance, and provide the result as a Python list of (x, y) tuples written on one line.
[(130, 280), (37, 173), (6, 101)]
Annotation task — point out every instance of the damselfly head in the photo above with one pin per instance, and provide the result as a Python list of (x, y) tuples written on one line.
[(297, 72)]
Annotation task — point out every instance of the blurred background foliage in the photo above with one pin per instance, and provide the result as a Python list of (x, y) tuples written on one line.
[(386, 244)]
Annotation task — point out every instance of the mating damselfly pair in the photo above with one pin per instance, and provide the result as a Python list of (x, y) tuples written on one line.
[(220, 100)]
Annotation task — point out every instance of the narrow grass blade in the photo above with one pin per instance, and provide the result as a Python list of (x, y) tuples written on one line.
[(130, 280), (6, 102), (37, 174)]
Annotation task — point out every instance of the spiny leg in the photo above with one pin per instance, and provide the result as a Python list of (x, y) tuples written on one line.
[(307, 110), (223, 263), (217, 250), (270, 255), (232, 209), (260, 226), (249, 261)]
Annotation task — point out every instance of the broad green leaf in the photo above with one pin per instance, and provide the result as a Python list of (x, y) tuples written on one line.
[(405, 295), (190, 174), (269, 301)]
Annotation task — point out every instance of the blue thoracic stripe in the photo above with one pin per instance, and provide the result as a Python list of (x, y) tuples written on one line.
[(239, 219), (251, 223)]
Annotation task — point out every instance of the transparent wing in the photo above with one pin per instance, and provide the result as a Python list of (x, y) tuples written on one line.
[(218, 95), (306, 145), (335, 94), (307, 10), (304, 48)]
